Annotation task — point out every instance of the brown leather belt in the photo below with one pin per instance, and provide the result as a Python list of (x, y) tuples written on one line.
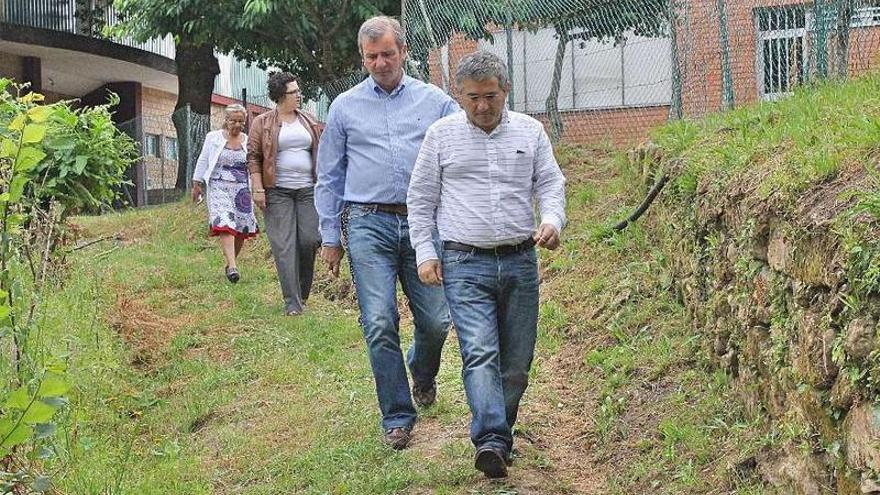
[(394, 209), (495, 251)]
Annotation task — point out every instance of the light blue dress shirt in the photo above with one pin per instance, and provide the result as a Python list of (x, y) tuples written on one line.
[(370, 145)]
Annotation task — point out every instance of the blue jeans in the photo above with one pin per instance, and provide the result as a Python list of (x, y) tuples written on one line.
[(494, 304), (380, 253)]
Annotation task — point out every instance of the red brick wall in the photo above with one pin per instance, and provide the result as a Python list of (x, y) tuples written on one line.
[(459, 46), (158, 106), (701, 74), (617, 126), (864, 50)]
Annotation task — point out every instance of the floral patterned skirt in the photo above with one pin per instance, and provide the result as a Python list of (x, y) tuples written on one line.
[(230, 209)]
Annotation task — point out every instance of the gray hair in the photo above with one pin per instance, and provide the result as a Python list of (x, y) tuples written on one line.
[(376, 27), (234, 108), (481, 66)]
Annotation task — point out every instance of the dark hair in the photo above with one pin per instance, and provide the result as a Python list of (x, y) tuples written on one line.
[(278, 84)]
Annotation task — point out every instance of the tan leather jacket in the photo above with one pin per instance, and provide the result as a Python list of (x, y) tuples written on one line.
[(263, 144)]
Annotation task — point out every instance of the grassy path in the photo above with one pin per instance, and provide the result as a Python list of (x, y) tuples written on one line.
[(188, 384)]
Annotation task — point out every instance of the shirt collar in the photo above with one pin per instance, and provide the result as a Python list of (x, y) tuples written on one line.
[(505, 119), (400, 86)]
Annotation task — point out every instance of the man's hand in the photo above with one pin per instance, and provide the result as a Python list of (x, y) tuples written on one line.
[(260, 200), (546, 237), (332, 255), (197, 192), (431, 273)]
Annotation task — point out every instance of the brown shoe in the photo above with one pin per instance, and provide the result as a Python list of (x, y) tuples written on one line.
[(424, 396), (491, 462), (397, 438)]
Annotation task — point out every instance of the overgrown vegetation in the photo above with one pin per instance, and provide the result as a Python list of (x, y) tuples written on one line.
[(53, 161), (772, 218)]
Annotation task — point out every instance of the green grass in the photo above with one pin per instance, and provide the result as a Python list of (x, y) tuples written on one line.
[(780, 149), (662, 419), (187, 384)]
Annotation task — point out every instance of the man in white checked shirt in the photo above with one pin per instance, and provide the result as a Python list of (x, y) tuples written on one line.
[(476, 179)]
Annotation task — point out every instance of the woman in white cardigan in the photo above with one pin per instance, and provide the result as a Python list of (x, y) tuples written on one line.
[(222, 166)]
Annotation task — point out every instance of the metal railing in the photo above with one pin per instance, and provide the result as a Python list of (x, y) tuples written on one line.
[(90, 17), (71, 16)]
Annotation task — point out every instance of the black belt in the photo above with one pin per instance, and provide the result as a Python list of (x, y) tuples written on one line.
[(496, 251)]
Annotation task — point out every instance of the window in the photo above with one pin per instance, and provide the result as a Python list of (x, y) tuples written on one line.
[(170, 148), (867, 16), (151, 145), (781, 56)]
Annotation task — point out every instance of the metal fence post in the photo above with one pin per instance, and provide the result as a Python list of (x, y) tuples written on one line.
[(675, 111), (821, 26), (724, 38), (189, 138)]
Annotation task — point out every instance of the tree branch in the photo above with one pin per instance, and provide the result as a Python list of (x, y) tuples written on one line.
[(652, 195), (340, 21)]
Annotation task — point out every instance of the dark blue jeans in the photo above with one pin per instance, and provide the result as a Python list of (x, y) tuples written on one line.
[(380, 253), (494, 304)]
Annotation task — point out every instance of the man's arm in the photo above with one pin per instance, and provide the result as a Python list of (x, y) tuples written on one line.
[(550, 191), (422, 200), (330, 187)]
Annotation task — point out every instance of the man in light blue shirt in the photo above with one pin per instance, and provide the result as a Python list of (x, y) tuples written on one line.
[(365, 160)]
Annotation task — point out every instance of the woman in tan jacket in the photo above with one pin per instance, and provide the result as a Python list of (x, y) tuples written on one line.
[(282, 151)]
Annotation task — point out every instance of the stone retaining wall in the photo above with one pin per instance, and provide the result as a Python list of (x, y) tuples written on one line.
[(784, 312)]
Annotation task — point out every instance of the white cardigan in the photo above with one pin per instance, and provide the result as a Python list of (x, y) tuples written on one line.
[(214, 143)]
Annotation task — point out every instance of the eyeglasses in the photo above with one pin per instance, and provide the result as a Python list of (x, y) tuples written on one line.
[(294, 92)]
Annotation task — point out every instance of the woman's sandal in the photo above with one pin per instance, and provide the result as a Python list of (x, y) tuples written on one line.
[(232, 275)]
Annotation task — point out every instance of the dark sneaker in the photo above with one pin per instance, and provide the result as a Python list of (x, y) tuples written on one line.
[(397, 438), (232, 275), (424, 396), (491, 461)]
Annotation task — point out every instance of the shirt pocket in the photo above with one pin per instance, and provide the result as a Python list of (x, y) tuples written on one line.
[(518, 165)]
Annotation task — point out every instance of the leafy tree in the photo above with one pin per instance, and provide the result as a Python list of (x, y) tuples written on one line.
[(313, 39), (316, 40), (198, 27)]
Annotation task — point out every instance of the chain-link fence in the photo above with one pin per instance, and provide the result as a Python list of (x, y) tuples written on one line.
[(608, 71)]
